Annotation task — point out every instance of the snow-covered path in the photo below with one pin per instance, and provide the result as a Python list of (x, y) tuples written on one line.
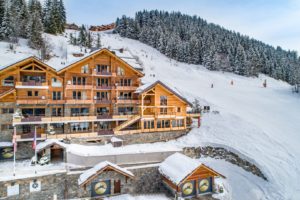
[(260, 123)]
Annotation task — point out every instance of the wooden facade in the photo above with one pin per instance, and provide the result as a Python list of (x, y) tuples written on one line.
[(96, 95)]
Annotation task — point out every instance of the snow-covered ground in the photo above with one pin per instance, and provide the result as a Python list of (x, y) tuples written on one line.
[(261, 124), (139, 197)]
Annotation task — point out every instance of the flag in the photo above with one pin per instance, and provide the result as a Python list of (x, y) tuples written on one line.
[(14, 140), (34, 139)]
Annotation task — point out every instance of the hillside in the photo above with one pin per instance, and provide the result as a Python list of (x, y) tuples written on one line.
[(260, 124)]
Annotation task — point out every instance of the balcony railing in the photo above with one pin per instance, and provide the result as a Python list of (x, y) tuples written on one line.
[(102, 101), (32, 118), (31, 83), (104, 116), (105, 132), (79, 101), (103, 87), (103, 73), (126, 100), (79, 87), (29, 135), (32, 101), (127, 87)]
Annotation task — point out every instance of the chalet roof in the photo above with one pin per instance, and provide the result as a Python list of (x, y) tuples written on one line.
[(24, 59), (49, 142), (144, 88), (87, 175), (94, 53), (178, 166)]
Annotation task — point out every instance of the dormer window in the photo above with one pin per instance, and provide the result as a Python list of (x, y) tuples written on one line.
[(85, 69), (9, 81)]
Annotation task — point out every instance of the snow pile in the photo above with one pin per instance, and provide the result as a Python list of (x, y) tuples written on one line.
[(99, 167), (177, 166), (139, 197)]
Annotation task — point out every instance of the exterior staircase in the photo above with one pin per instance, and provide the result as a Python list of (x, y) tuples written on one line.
[(130, 121), (7, 92)]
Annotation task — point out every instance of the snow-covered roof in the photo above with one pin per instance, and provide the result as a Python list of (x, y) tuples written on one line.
[(49, 142), (149, 85), (20, 59), (6, 144), (178, 166), (83, 178)]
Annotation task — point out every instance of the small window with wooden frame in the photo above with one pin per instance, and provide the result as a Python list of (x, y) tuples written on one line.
[(8, 81)]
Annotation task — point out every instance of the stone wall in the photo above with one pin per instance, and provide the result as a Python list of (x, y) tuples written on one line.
[(135, 138), (24, 150), (6, 135), (65, 185), (222, 153)]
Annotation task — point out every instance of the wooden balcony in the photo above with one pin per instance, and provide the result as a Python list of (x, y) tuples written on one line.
[(79, 87), (131, 87), (51, 101), (103, 87), (103, 73), (32, 101), (127, 101), (70, 135), (32, 84), (105, 132), (102, 101), (79, 101)]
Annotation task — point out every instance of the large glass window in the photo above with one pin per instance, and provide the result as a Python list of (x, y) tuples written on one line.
[(78, 127), (79, 111), (9, 81)]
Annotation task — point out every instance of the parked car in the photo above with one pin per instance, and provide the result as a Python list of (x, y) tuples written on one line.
[(43, 160)]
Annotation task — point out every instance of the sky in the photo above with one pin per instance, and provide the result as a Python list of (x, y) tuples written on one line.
[(276, 22)]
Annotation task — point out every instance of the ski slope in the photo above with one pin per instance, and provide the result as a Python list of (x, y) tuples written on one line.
[(260, 124)]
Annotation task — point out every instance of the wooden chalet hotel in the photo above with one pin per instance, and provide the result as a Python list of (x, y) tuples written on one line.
[(100, 94)]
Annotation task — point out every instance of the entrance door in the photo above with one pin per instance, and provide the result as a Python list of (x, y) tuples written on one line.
[(117, 186)]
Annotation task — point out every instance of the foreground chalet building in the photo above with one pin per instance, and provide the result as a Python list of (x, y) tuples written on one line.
[(100, 94)]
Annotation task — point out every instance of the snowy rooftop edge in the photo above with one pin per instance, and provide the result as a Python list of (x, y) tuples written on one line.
[(177, 166), (100, 166)]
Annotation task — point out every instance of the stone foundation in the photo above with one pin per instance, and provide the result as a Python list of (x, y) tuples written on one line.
[(222, 153), (65, 185)]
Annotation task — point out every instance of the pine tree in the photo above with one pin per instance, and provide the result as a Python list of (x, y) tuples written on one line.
[(89, 40), (98, 42), (2, 10), (6, 30), (82, 36), (62, 19), (47, 15), (35, 30)]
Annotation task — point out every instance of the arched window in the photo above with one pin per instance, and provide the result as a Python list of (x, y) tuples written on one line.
[(120, 71), (8, 81)]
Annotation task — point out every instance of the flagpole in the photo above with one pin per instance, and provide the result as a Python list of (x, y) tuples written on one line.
[(35, 154), (14, 143)]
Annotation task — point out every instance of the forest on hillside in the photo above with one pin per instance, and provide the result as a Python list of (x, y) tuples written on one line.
[(29, 20), (192, 40)]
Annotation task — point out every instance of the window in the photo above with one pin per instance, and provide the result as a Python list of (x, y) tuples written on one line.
[(163, 102), (78, 127), (178, 109), (120, 71), (125, 82), (102, 96), (125, 95), (102, 110), (148, 124), (7, 110), (29, 93), (36, 93), (9, 81), (77, 95), (56, 95), (79, 80), (85, 69), (102, 82), (103, 69), (125, 110), (79, 111), (26, 129), (56, 112)]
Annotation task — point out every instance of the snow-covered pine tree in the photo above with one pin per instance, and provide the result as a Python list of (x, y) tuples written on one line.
[(35, 28), (89, 40), (98, 41), (82, 37), (54, 25), (47, 15), (6, 30), (63, 18), (2, 11)]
